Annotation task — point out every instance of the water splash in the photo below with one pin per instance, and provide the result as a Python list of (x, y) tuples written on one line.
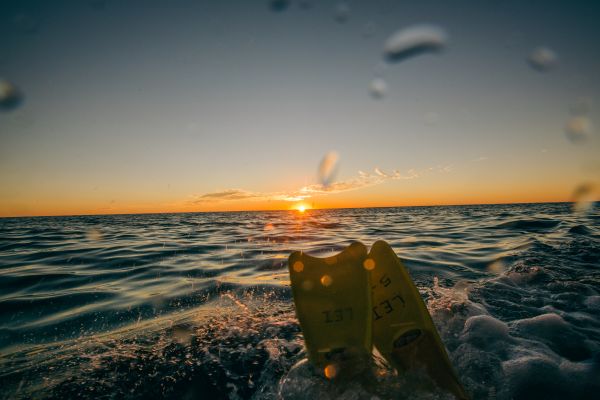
[(414, 40)]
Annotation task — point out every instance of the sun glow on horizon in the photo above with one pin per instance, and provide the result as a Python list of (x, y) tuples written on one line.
[(301, 208)]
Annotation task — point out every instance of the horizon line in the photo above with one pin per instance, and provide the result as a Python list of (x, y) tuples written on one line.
[(291, 210)]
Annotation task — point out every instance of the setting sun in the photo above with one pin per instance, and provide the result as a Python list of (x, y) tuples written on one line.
[(301, 208)]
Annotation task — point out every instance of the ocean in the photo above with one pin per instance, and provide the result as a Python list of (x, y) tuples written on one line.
[(198, 305)]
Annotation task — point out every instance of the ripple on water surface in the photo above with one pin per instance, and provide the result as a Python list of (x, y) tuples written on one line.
[(178, 305)]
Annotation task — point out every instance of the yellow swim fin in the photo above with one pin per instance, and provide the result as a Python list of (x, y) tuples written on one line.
[(403, 331), (333, 304)]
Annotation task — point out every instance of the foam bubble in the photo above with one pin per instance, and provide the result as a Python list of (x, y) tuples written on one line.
[(578, 129), (328, 168), (414, 40), (542, 59), (378, 88)]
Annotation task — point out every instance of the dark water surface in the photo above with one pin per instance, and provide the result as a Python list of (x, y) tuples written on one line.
[(199, 305)]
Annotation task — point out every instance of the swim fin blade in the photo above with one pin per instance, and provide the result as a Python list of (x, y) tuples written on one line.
[(333, 304), (403, 331)]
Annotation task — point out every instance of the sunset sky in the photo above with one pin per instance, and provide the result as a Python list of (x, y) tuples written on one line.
[(167, 106)]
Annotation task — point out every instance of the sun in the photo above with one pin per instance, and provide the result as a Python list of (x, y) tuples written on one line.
[(301, 208)]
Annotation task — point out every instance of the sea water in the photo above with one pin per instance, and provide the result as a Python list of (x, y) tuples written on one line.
[(199, 305)]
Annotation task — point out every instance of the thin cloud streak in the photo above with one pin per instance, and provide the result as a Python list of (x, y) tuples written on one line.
[(363, 180)]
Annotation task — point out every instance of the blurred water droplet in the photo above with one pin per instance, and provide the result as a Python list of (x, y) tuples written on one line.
[(414, 40), (10, 95), (497, 267), (307, 285), (342, 12), (542, 59), (584, 197), (278, 5), (93, 235), (369, 264), (330, 371), (578, 129), (298, 266), (378, 88), (326, 280), (328, 168)]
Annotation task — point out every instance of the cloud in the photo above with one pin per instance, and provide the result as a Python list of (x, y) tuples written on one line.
[(363, 180)]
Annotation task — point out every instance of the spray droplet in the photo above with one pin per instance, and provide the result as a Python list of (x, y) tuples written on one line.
[(328, 168), (378, 88), (414, 40), (326, 280), (342, 12), (578, 129), (10, 95), (542, 59)]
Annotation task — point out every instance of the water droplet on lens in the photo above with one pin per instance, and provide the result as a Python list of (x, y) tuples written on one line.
[(369, 264), (414, 40), (584, 197), (342, 12), (328, 168), (330, 371), (93, 235), (497, 267), (378, 88), (326, 280), (298, 266), (307, 285), (279, 5), (578, 129), (542, 59), (10, 95)]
